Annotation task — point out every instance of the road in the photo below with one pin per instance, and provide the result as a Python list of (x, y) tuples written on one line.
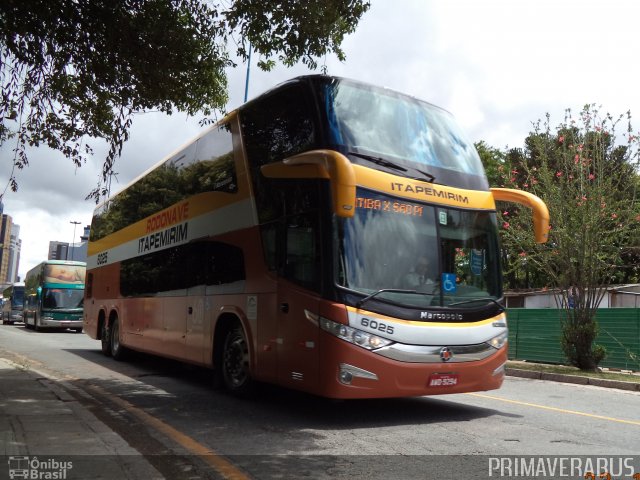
[(162, 407)]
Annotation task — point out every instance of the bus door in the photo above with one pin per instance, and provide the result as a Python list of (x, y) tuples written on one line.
[(175, 313), (195, 331), (297, 336), (297, 304)]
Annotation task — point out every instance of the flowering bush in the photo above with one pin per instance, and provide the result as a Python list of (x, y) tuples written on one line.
[(589, 180)]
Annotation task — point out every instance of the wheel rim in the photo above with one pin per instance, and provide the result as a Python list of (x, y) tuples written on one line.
[(236, 360)]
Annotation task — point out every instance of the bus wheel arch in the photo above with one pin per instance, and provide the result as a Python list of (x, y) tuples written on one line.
[(232, 356)]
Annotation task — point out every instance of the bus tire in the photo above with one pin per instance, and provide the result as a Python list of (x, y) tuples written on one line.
[(118, 351), (105, 340), (235, 362)]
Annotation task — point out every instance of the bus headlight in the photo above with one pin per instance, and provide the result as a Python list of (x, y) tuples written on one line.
[(353, 335), (499, 341)]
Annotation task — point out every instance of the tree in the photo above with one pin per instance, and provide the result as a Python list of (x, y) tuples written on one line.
[(518, 271), (73, 70), (589, 180)]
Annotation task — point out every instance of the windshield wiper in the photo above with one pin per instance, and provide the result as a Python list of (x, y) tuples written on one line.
[(380, 161), (361, 302), (490, 299), (389, 164), (428, 177)]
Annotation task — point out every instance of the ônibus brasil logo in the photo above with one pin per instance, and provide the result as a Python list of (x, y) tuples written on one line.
[(35, 469)]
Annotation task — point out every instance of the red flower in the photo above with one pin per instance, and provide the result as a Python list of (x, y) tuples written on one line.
[(505, 225)]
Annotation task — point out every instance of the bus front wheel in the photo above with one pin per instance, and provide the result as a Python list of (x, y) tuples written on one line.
[(235, 362)]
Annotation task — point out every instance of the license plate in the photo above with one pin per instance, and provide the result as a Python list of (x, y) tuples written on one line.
[(443, 380)]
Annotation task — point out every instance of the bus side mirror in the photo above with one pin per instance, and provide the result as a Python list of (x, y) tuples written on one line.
[(321, 164), (39, 291), (540, 210)]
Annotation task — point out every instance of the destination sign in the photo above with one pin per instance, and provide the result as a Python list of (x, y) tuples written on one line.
[(389, 206)]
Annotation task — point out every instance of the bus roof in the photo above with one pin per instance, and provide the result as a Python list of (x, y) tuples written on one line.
[(63, 262)]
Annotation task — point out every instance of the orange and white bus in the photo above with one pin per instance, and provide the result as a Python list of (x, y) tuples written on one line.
[(328, 236)]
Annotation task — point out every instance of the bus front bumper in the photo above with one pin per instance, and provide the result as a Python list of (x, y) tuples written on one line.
[(50, 322), (357, 373)]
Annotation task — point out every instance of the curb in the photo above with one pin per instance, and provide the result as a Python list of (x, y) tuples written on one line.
[(575, 379)]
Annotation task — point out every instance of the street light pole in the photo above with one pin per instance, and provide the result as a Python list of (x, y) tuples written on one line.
[(73, 239)]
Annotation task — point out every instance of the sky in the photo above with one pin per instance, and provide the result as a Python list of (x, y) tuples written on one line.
[(497, 65)]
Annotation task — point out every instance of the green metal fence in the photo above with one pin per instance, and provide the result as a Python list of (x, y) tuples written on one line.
[(534, 334)]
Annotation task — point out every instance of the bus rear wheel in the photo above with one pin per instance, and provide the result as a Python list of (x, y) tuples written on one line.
[(235, 363), (118, 351)]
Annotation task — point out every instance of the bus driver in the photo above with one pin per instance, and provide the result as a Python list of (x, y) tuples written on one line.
[(421, 277)]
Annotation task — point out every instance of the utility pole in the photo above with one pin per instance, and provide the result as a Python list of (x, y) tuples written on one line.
[(246, 84)]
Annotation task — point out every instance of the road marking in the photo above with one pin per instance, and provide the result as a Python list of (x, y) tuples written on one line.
[(220, 464), (555, 409)]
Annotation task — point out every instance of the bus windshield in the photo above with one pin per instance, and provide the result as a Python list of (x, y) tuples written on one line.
[(425, 255), (62, 298), (17, 297), (415, 136)]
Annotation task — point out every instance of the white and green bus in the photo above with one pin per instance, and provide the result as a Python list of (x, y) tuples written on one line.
[(54, 295)]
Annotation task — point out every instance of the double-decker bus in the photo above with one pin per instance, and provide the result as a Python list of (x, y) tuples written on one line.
[(54, 295), (285, 244), (12, 303)]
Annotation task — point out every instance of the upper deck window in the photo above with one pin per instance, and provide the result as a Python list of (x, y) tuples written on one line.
[(206, 165), (278, 126)]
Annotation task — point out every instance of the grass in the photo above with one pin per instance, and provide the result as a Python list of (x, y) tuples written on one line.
[(546, 368)]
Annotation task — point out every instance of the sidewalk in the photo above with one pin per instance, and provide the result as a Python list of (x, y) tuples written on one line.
[(514, 371), (43, 428)]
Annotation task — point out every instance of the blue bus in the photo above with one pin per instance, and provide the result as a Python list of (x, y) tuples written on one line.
[(12, 303)]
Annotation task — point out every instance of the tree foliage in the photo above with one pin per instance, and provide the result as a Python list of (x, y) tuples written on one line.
[(75, 70), (588, 177)]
